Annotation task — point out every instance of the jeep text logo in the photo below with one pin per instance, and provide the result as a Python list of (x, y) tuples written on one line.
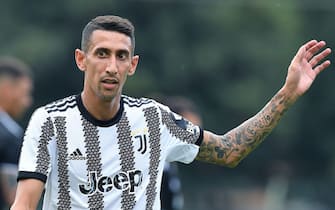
[(121, 181)]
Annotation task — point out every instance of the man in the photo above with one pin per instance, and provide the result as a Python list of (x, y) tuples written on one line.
[(104, 150), (15, 98)]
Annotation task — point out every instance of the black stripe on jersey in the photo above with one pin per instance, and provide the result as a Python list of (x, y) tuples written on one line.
[(64, 200), (178, 131), (135, 102), (93, 154), (43, 157), (127, 158), (152, 119), (92, 145), (61, 104)]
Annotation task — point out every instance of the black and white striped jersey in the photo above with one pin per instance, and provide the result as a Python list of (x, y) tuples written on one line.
[(116, 164)]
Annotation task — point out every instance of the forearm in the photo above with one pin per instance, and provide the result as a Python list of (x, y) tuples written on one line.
[(230, 148), (28, 194)]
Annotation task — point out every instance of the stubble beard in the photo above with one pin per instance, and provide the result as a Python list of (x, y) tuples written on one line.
[(108, 96)]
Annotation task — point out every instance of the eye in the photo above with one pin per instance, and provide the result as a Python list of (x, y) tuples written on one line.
[(101, 53), (122, 55)]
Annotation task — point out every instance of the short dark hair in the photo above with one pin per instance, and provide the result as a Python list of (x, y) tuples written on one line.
[(13, 68), (108, 23)]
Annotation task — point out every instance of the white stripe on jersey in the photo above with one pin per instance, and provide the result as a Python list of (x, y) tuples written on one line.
[(114, 164)]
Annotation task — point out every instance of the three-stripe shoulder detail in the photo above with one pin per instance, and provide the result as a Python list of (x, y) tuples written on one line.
[(61, 105), (135, 102)]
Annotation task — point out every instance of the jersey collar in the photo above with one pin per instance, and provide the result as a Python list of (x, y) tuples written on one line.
[(93, 120)]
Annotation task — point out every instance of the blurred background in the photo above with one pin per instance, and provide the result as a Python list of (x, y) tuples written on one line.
[(230, 57)]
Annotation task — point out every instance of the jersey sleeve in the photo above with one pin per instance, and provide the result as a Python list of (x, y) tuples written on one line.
[(35, 154), (182, 137)]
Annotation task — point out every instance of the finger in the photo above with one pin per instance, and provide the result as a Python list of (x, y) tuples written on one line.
[(321, 67), (314, 49), (304, 48), (317, 58), (310, 44)]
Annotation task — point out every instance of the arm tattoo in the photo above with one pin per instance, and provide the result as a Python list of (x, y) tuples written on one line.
[(230, 148)]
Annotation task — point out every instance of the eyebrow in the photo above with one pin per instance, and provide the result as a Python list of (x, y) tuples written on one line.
[(102, 49), (108, 50)]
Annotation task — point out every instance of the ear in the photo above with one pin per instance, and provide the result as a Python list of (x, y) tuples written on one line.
[(134, 62), (80, 59)]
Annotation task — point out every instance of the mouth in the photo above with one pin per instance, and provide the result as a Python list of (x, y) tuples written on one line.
[(109, 83), (109, 80)]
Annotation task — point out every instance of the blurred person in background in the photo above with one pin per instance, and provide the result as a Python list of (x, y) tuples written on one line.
[(15, 99), (101, 149), (171, 193)]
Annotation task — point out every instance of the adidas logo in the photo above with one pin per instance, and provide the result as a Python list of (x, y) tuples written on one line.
[(76, 155)]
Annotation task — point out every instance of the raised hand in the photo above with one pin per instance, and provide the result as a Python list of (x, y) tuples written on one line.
[(305, 66)]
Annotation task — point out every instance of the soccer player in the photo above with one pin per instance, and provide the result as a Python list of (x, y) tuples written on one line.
[(101, 149), (15, 99)]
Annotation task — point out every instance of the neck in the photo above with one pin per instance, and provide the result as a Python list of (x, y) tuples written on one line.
[(99, 108)]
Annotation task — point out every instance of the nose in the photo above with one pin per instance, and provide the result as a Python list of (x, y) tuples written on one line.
[(111, 67)]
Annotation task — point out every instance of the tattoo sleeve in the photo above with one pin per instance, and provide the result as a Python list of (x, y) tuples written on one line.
[(229, 149)]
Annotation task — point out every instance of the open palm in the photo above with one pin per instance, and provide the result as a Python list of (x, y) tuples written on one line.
[(305, 66)]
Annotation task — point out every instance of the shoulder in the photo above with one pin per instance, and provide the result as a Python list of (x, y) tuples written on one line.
[(45, 112), (138, 102), (5, 136), (61, 105), (144, 103)]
